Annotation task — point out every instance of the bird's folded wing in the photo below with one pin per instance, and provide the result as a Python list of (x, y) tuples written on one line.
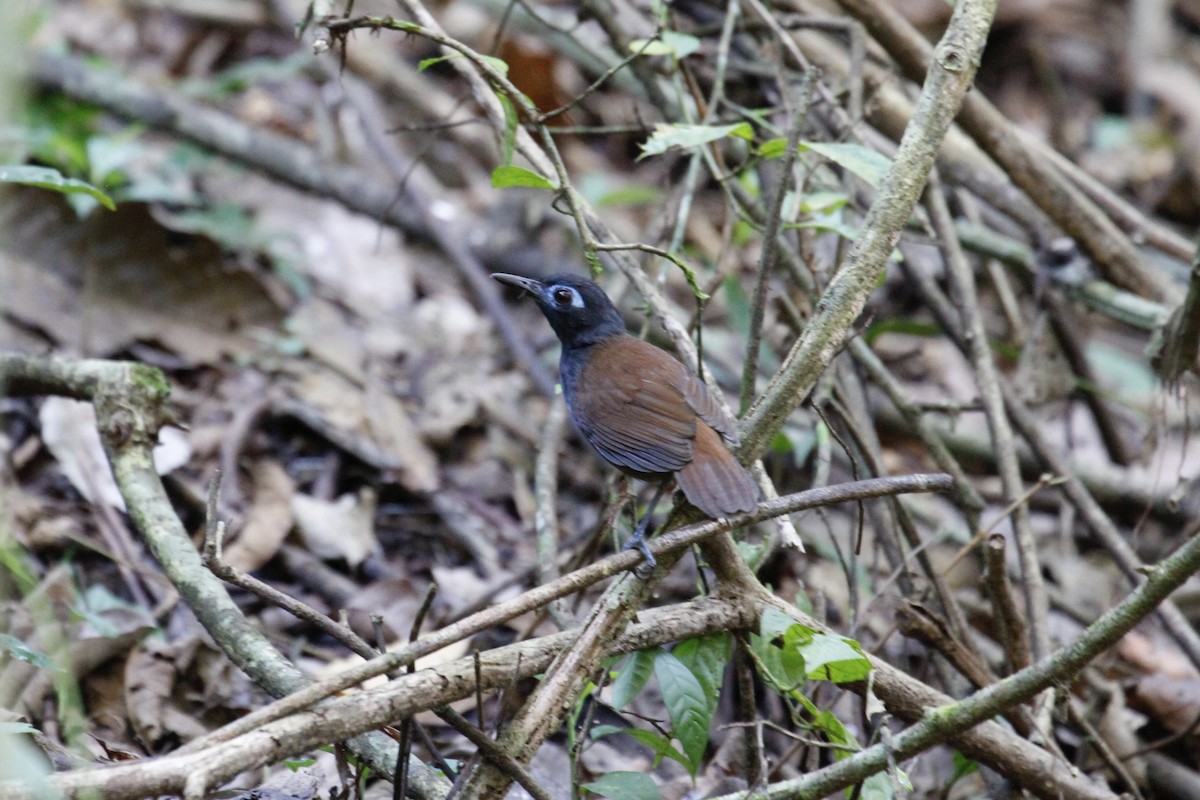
[(631, 407)]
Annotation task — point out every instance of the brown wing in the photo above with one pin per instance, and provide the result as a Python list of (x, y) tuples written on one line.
[(631, 405), (704, 404)]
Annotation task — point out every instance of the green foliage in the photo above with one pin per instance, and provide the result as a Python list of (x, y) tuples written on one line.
[(52, 179), (509, 175), (635, 671), (17, 649), (963, 767), (792, 653), (706, 657), (868, 164), (690, 682), (659, 745), (687, 706), (624, 786), (789, 654), (686, 137), (498, 64), (668, 43)]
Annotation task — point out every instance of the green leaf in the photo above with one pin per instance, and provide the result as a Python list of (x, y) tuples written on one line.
[(510, 127), (685, 137), (963, 766), (834, 658), (22, 652), (624, 786), (687, 706), (772, 148), (16, 727), (633, 195), (600, 731), (497, 64), (868, 164), (47, 178), (706, 657), (632, 676), (668, 43), (791, 652), (774, 623), (827, 723), (660, 745), (904, 325), (823, 202), (875, 787), (509, 175)]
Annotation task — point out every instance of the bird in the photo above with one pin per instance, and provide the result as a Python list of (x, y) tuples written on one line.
[(638, 406)]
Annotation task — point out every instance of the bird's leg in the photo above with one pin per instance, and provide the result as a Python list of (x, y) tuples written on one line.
[(638, 540)]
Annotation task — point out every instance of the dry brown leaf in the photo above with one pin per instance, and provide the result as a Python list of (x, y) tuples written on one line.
[(268, 521), (390, 426), (1173, 702), (372, 424), (331, 336), (143, 287), (151, 674), (69, 433), (344, 528), (1155, 656)]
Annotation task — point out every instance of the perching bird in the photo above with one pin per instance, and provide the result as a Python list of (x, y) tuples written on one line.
[(641, 410)]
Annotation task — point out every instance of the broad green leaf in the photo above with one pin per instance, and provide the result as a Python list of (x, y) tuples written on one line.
[(868, 164), (774, 623), (875, 787), (706, 657), (624, 786), (668, 43), (686, 705), (660, 745), (47, 178), (632, 676), (828, 723), (509, 175), (772, 148), (600, 731), (667, 137), (823, 202), (834, 658), (16, 727)]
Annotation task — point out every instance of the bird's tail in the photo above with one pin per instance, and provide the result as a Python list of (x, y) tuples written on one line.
[(713, 481)]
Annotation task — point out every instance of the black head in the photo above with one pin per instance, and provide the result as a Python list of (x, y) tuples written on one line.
[(577, 309)]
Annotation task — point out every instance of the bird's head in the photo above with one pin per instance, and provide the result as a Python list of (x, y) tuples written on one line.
[(577, 309)]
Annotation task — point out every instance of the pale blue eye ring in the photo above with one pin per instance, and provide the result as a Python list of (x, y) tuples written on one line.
[(564, 296)]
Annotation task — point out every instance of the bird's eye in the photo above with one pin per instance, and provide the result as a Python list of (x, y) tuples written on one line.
[(566, 296)]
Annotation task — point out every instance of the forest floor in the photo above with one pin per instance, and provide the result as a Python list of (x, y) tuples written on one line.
[(306, 213)]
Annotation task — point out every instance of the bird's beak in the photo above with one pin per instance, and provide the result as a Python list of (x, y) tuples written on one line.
[(516, 281)]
